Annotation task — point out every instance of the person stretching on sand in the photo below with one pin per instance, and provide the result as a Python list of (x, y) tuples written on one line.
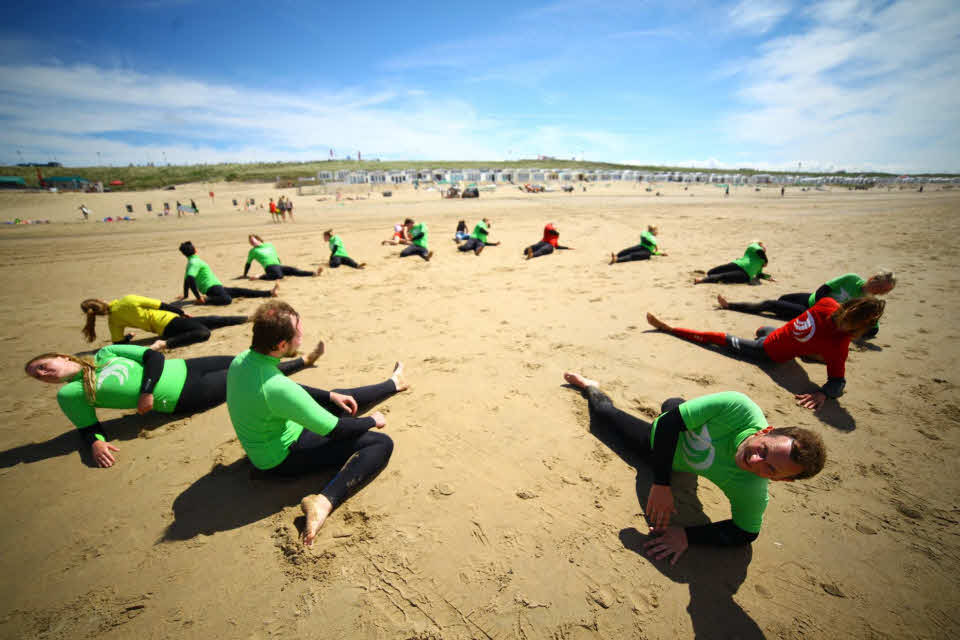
[(723, 437), (131, 377), (478, 239), (842, 288), (824, 330), (85, 212), (175, 328), (338, 254), (642, 251), (746, 269), (266, 255), (289, 430), (400, 235), (549, 242), (206, 288), (418, 240)]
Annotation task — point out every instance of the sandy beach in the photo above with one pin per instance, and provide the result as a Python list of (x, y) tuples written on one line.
[(500, 514)]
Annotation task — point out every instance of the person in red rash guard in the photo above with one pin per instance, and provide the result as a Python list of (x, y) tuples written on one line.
[(550, 241)]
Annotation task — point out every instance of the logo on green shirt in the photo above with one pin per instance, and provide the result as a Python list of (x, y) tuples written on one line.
[(116, 370), (697, 449)]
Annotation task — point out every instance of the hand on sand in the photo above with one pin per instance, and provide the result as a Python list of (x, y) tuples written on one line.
[(379, 419), (275, 291), (316, 507), (660, 506), (812, 401), (314, 355), (671, 541), (103, 453), (722, 302)]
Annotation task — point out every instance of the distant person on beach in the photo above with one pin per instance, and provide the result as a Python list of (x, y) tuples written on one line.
[(748, 269), (400, 234), (206, 288), (723, 437), (193, 205), (642, 251), (825, 330), (172, 324), (131, 377), (417, 232), (546, 246), (86, 212), (282, 208), (849, 286), (289, 206), (274, 215), (462, 233), (478, 239), (289, 429), (338, 254), (266, 255)]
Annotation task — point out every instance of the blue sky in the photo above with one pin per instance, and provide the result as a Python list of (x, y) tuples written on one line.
[(770, 84)]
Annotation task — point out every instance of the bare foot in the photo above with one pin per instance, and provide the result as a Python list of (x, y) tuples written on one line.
[(312, 357), (316, 507), (429, 255), (252, 278), (613, 258), (479, 249), (697, 280), (159, 345), (319, 271), (397, 377), (362, 265), (722, 302), (275, 291), (528, 252), (579, 381), (657, 323)]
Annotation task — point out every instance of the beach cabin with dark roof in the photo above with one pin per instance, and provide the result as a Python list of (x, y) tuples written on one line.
[(67, 183), (12, 182)]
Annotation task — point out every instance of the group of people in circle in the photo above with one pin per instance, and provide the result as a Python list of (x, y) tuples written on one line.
[(288, 429)]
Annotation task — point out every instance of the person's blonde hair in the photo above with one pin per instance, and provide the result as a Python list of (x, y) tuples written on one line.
[(652, 228), (87, 367), (884, 276), (857, 315), (92, 307)]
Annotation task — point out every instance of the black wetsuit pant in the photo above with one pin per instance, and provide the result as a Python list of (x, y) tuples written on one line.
[(206, 383), (277, 271), (336, 261), (729, 272), (414, 249), (221, 295), (785, 307), (637, 252), (360, 459), (540, 249), (182, 331), (471, 244), (634, 431)]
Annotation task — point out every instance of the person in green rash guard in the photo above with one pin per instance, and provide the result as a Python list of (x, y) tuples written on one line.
[(723, 437), (206, 288), (478, 239), (849, 286), (642, 251), (128, 377), (748, 269), (418, 240), (290, 430), (266, 255), (338, 254)]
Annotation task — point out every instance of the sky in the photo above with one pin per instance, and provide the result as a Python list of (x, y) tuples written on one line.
[(766, 84)]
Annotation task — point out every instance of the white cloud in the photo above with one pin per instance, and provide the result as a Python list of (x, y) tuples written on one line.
[(758, 16)]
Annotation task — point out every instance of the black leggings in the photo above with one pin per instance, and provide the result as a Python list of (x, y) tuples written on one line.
[(360, 459), (540, 249), (634, 431), (729, 272), (183, 331), (752, 349), (415, 249), (277, 271), (637, 252), (221, 295), (336, 261), (472, 244), (785, 307), (206, 383)]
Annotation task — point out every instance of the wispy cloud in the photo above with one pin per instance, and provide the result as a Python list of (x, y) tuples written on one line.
[(758, 16)]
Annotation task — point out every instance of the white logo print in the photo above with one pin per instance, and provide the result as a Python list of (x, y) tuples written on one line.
[(804, 327), (698, 446), (114, 369)]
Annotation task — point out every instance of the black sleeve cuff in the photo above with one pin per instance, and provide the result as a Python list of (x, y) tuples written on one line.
[(351, 428), (152, 370), (724, 534), (834, 387), (177, 310), (89, 434), (669, 426)]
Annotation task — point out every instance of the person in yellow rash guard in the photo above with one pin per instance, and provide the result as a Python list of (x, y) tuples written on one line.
[(171, 323), (288, 429), (132, 377)]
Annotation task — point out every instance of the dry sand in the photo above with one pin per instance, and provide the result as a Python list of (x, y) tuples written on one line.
[(500, 515)]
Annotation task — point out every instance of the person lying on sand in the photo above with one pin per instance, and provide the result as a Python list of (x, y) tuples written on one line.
[(723, 437), (266, 255), (206, 288), (642, 251), (748, 269), (549, 242)]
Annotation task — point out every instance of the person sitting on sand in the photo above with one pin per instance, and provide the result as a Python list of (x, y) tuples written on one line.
[(478, 239), (172, 324), (824, 330), (132, 377), (338, 254), (461, 233), (842, 288), (289, 430), (206, 288), (549, 242), (266, 255), (400, 235), (642, 251), (747, 269), (723, 437), (418, 240)]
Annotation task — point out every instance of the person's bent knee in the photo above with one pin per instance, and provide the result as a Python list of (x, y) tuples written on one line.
[(671, 403)]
